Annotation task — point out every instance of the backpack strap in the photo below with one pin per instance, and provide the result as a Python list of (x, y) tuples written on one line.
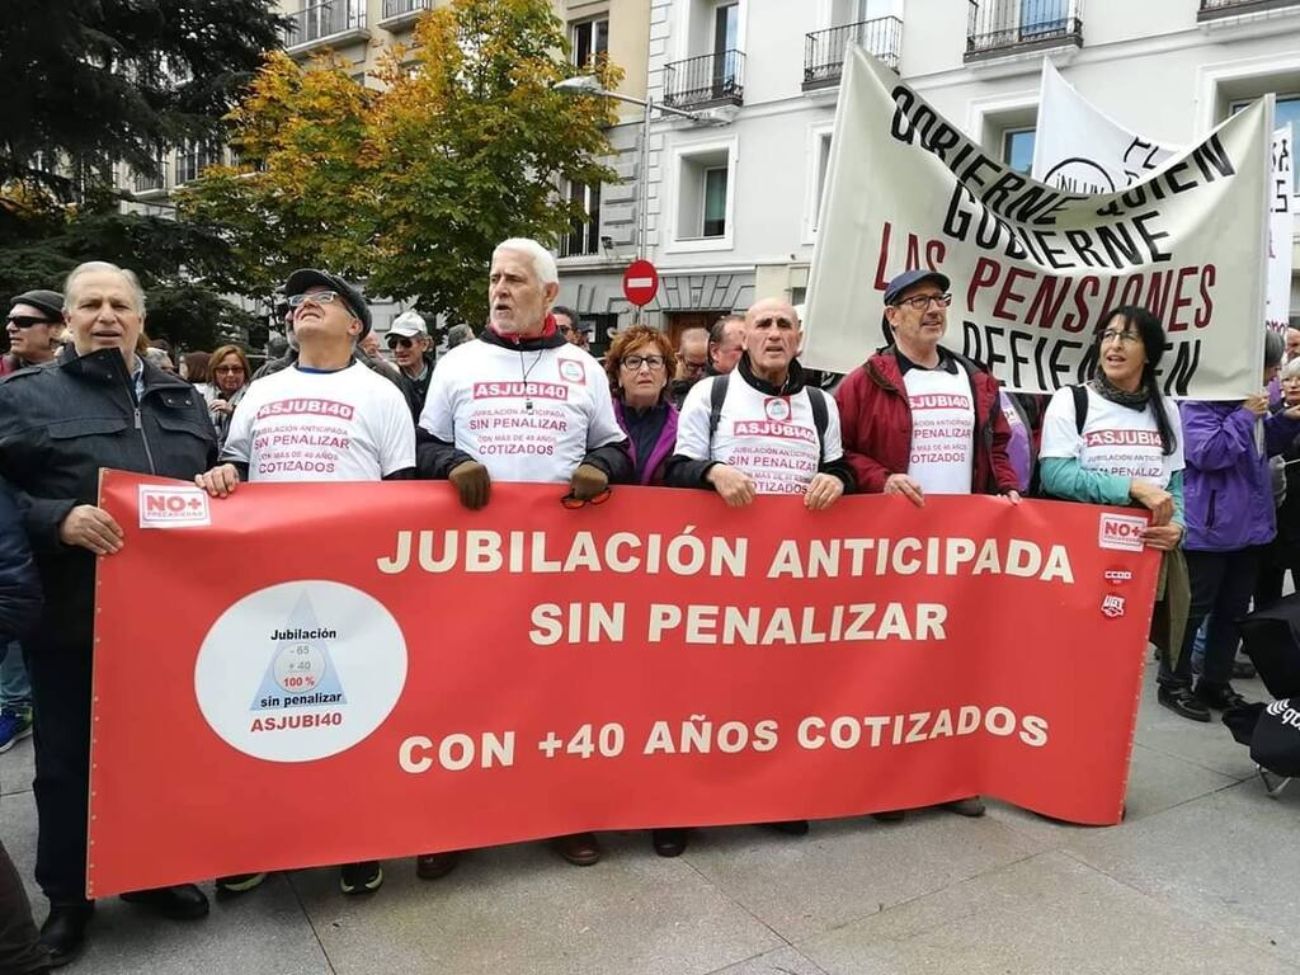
[(821, 418), (717, 396), (816, 399), (1080, 407)]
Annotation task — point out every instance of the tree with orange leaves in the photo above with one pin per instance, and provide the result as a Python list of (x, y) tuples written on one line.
[(409, 187)]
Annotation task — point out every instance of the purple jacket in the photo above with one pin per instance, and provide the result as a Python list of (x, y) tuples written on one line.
[(649, 470), (1227, 486)]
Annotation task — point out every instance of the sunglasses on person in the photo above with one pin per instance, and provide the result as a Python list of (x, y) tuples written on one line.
[(27, 321), (315, 297), (229, 369), (400, 342)]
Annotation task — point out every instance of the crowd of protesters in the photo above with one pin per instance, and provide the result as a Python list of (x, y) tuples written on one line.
[(85, 390)]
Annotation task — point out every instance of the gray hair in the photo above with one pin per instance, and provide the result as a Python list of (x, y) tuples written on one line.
[(543, 260), (91, 267), (1274, 346), (1291, 370)]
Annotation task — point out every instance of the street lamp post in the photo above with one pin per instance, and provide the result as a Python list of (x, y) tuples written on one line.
[(585, 84)]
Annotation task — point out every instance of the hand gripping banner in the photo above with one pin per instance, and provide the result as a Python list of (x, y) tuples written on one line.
[(348, 672), (1033, 267)]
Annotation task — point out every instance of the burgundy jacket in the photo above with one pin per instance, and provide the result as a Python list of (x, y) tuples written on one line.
[(876, 421)]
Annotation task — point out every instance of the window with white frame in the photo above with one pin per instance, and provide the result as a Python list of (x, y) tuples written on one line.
[(1018, 149), (583, 239), (821, 168), (193, 158), (704, 209), (590, 39), (1286, 109)]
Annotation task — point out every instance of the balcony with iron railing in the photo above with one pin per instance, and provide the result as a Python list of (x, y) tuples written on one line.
[(334, 21), (824, 50), (998, 28), (1218, 9), (710, 79), (400, 13)]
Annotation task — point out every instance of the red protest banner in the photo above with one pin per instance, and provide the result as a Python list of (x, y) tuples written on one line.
[(360, 671)]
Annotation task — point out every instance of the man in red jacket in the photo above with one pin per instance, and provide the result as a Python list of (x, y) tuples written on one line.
[(918, 419)]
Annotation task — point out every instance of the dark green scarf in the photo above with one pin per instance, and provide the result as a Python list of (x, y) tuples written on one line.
[(1136, 400)]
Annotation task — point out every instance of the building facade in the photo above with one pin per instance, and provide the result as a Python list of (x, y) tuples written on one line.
[(734, 205)]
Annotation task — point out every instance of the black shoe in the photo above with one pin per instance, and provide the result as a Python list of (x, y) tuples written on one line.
[(64, 932), (972, 806), (1180, 700), (184, 902), (1243, 669), (1221, 697), (669, 842), (790, 827), (361, 878), (432, 866)]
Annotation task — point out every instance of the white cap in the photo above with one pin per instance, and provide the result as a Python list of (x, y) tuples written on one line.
[(408, 325)]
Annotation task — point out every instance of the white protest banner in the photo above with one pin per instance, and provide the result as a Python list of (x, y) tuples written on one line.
[(1033, 267), (1281, 228), (1079, 148)]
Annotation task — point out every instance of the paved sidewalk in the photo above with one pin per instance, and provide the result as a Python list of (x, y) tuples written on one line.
[(1199, 878)]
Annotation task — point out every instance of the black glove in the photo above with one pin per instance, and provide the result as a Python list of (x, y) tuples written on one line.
[(471, 481)]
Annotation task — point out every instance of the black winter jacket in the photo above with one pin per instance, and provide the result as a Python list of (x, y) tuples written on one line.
[(20, 590), (58, 427)]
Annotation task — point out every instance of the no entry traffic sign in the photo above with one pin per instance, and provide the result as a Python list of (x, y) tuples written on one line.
[(640, 283)]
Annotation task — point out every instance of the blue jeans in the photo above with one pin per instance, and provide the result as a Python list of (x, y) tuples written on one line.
[(15, 689)]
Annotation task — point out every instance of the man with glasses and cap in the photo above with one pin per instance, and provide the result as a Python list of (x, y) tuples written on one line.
[(413, 349), (34, 325), (325, 418), (919, 420)]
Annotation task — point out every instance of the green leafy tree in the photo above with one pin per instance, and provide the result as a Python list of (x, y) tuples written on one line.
[(411, 186), (93, 82), (182, 267)]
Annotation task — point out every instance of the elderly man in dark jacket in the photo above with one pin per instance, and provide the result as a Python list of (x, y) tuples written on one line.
[(20, 603), (100, 406)]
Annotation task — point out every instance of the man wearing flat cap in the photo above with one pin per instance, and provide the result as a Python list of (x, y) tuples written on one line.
[(327, 417), (33, 326), (919, 420)]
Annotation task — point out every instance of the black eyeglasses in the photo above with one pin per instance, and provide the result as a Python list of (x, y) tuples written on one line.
[(27, 321), (922, 302), (635, 362), (397, 342)]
